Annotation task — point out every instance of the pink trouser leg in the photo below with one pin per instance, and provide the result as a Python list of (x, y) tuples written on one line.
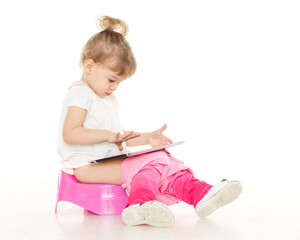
[(187, 188), (144, 186)]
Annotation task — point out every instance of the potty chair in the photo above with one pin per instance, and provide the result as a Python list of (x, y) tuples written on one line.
[(100, 199)]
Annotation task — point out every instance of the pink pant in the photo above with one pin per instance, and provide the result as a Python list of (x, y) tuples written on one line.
[(182, 185)]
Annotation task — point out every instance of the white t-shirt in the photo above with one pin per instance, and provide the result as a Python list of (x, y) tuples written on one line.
[(102, 113)]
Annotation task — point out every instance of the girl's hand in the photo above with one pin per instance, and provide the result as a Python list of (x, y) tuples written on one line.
[(118, 138), (158, 139)]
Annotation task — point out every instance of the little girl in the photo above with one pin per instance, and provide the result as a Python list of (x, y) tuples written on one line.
[(90, 129)]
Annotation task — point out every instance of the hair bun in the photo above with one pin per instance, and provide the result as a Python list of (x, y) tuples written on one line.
[(112, 24)]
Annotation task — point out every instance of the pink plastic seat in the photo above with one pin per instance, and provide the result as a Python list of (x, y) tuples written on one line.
[(101, 199)]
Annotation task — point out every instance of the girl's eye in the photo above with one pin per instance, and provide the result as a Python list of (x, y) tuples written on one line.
[(112, 81)]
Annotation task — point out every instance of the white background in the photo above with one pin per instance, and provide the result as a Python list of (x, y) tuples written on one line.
[(224, 76)]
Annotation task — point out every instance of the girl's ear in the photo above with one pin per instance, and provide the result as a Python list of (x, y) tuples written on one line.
[(88, 65)]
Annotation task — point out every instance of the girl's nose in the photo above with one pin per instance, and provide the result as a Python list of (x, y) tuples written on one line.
[(114, 87)]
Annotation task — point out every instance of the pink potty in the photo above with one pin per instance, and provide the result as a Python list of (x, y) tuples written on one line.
[(101, 199)]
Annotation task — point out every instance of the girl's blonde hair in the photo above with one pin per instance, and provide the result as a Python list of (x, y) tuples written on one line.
[(110, 48)]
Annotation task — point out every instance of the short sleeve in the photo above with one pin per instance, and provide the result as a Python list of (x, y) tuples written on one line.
[(79, 96)]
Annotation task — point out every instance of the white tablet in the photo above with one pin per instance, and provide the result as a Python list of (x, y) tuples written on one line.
[(131, 154)]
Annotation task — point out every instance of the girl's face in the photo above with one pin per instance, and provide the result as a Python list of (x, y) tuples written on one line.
[(100, 79)]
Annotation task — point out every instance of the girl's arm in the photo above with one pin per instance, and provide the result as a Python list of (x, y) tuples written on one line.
[(139, 141), (155, 138), (75, 133)]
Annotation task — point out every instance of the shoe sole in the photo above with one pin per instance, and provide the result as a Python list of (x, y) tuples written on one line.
[(224, 196), (153, 215)]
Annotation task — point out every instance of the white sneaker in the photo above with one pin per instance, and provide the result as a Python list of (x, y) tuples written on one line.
[(153, 213), (219, 195)]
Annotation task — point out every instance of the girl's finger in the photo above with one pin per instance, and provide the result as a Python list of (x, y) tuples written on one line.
[(124, 138), (118, 135), (120, 147), (127, 134), (163, 128), (170, 141)]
